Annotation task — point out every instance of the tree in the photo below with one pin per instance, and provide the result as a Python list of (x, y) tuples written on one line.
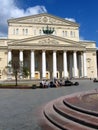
[(13, 69), (16, 68), (25, 72)]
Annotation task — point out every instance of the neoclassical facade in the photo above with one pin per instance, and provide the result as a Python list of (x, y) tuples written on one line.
[(57, 55)]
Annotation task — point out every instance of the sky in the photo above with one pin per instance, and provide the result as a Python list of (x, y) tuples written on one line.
[(84, 12)]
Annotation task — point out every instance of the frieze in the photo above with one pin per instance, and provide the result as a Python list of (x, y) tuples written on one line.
[(48, 41), (47, 47), (45, 20)]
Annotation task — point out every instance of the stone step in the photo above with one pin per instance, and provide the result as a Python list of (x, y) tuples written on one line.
[(61, 122), (75, 104), (74, 115), (43, 122)]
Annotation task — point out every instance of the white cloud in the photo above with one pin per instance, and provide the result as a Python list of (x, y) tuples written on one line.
[(71, 19), (8, 10)]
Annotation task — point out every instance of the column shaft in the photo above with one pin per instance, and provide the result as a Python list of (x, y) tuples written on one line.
[(84, 64), (9, 56), (75, 64), (54, 65), (65, 64), (43, 64), (32, 64), (9, 64), (21, 56)]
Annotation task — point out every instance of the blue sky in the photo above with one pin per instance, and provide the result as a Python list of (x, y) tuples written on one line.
[(84, 12)]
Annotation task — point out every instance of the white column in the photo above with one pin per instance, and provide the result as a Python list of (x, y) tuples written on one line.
[(65, 64), (9, 56), (21, 57), (84, 64), (70, 66), (32, 64), (75, 63), (54, 65), (21, 63), (10, 65), (81, 60), (43, 64)]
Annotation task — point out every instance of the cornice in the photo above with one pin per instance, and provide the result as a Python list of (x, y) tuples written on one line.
[(4, 47), (91, 49), (47, 47), (43, 15), (57, 38)]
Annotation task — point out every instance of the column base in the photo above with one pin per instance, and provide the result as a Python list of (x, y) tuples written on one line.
[(44, 78), (32, 77), (75, 77), (66, 77)]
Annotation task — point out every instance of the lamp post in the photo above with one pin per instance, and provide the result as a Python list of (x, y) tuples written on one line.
[(48, 30)]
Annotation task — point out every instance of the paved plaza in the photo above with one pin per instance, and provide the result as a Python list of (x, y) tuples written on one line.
[(19, 107)]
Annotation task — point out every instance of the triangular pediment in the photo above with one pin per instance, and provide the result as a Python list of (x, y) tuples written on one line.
[(43, 19), (49, 40)]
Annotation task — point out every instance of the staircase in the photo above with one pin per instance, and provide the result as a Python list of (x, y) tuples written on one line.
[(65, 114)]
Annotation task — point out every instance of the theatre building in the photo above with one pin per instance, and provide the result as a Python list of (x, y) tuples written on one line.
[(49, 47)]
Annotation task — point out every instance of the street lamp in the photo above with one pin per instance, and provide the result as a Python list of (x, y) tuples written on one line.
[(48, 30)]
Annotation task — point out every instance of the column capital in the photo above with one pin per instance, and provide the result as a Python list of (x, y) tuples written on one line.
[(21, 50), (65, 51), (75, 51), (9, 49), (54, 50), (32, 50), (43, 50)]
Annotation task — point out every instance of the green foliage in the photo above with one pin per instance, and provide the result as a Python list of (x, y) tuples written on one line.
[(34, 86), (26, 72)]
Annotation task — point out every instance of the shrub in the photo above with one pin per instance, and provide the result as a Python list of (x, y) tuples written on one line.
[(34, 86)]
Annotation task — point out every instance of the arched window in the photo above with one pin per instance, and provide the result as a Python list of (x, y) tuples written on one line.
[(63, 33), (34, 32), (17, 31), (23, 31), (54, 32), (26, 31), (40, 32), (71, 34), (74, 34), (14, 31)]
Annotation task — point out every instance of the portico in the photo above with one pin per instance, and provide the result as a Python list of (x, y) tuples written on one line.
[(48, 64)]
